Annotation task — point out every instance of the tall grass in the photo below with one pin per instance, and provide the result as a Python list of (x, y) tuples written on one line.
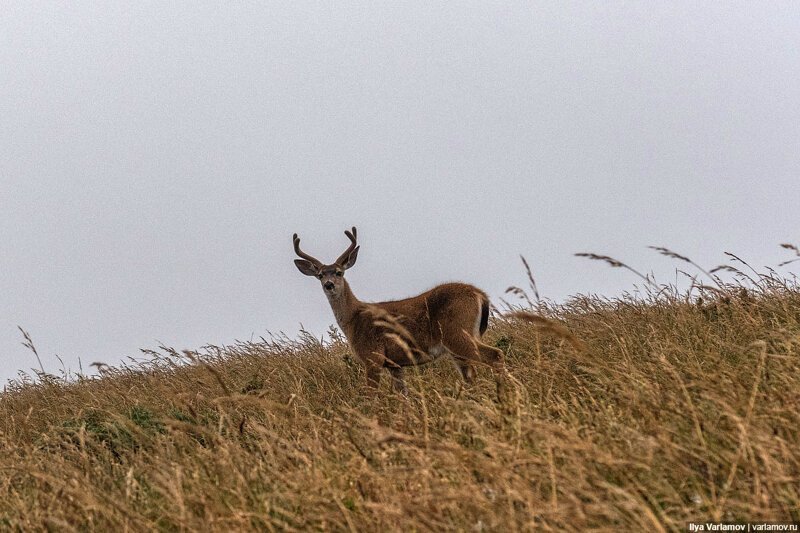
[(641, 412)]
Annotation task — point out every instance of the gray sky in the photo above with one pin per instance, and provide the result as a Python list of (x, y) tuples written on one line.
[(155, 158)]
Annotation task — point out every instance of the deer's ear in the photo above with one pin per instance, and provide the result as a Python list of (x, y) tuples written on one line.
[(306, 267), (351, 259)]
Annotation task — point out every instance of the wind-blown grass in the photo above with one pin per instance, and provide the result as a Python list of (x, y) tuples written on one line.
[(636, 413)]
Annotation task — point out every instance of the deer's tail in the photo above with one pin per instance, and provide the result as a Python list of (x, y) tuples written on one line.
[(484, 315)]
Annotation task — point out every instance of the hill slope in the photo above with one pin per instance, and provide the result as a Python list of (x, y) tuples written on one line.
[(662, 410)]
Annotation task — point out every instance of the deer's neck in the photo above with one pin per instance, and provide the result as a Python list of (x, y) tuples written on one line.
[(344, 307)]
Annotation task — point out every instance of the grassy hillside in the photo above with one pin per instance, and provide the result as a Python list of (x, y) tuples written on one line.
[(640, 413)]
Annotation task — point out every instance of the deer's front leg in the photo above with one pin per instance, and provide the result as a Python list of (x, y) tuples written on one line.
[(373, 377), (374, 365), (398, 383)]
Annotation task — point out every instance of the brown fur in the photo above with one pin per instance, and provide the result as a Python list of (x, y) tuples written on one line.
[(449, 318)]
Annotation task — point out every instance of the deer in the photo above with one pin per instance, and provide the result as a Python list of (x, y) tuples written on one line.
[(448, 319)]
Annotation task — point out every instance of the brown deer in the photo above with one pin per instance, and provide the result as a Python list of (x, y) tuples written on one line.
[(449, 318)]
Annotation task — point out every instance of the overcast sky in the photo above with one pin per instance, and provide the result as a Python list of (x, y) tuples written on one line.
[(155, 158)]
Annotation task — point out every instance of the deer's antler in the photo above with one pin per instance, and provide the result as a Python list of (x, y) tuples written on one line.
[(317, 263), (351, 234)]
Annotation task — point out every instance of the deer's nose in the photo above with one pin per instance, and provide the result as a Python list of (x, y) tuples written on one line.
[(328, 285)]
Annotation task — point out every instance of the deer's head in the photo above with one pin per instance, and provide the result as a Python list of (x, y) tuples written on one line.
[(330, 276)]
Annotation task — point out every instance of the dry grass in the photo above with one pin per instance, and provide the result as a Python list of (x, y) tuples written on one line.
[(638, 413)]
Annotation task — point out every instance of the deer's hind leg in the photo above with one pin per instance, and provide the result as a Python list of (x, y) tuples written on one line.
[(491, 356), (465, 352), (466, 368), (468, 350)]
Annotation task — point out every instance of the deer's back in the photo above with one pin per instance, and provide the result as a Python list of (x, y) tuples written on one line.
[(448, 309)]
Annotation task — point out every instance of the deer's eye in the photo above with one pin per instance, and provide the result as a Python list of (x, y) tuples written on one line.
[(319, 276), (339, 273)]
